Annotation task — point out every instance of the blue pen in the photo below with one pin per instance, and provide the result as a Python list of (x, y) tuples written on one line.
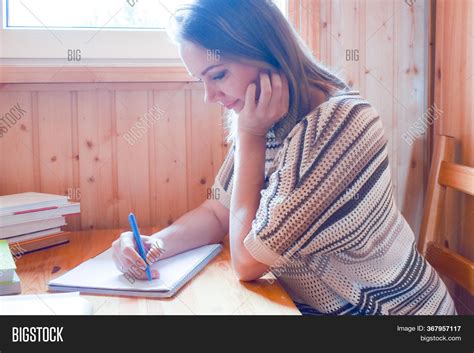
[(138, 240)]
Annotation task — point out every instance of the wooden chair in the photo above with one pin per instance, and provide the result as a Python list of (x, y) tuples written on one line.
[(445, 173)]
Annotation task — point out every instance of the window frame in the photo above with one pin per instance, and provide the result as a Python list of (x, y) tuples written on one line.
[(21, 44)]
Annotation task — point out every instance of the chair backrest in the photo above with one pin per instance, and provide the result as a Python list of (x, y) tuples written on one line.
[(445, 173)]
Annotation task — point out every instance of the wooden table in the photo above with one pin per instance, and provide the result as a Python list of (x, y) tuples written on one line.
[(215, 290)]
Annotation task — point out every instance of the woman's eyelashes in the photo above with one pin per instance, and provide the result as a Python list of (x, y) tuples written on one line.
[(220, 75)]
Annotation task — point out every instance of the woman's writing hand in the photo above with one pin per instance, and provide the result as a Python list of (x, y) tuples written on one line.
[(126, 257), (257, 117)]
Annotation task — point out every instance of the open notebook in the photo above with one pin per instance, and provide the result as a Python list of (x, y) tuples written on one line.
[(99, 275)]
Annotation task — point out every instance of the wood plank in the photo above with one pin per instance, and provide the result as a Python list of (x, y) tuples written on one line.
[(95, 137), (326, 39), (457, 176), (23, 247), (132, 157), (453, 85), (204, 147), (69, 74), (169, 161), (451, 264), (345, 36), (294, 13), (90, 86), (433, 210), (17, 152), (379, 81), (411, 104), (55, 146), (313, 25)]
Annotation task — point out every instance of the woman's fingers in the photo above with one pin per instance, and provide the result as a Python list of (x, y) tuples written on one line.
[(128, 261), (117, 253), (275, 101), (265, 91), (250, 103), (276, 94), (117, 262), (141, 274), (137, 272), (129, 251), (272, 105), (285, 93)]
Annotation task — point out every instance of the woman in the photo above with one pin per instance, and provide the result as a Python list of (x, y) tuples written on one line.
[(305, 190)]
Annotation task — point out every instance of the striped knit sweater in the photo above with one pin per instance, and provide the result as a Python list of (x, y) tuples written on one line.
[(327, 224)]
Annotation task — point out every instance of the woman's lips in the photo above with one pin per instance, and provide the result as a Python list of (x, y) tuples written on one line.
[(230, 106)]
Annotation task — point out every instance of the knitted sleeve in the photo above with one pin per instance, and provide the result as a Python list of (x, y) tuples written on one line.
[(222, 187), (328, 164)]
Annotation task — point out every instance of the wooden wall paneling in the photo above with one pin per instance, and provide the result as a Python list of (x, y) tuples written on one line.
[(379, 64), (444, 81), (95, 136), (344, 32), (75, 221), (204, 149), (89, 86), (304, 15), (454, 83), (169, 146), (132, 157), (294, 13), (325, 38), (362, 29), (448, 63), (378, 47), (467, 240), (410, 104), (17, 151), (313, 25), (430, 79), (150, 119), (56, 139), (90, 73)]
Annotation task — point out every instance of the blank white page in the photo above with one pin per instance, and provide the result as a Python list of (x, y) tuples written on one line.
[(45, 304)]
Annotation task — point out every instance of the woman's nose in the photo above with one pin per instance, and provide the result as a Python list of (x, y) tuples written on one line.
[(210, 94)]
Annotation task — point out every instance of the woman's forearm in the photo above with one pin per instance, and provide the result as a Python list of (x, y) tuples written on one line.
[(195, 228), (249, 174)]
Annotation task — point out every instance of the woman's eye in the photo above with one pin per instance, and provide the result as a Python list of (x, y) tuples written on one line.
[(219, 76)]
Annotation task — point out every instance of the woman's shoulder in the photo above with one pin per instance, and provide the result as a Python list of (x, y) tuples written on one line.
[(341, 108), (339, 103)]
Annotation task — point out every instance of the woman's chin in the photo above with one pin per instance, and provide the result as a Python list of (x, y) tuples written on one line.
[(238, 107)]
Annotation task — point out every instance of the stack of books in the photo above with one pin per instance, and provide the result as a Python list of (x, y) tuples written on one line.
[(9, 281), (34, 220)]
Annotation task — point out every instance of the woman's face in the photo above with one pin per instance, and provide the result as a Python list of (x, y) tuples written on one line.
[(225, 81)]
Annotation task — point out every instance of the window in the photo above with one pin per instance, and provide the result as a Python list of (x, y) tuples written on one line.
[(110, 14), (49, 29)]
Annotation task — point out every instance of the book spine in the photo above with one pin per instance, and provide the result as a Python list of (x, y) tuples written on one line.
[(43, 243), (36, 210)]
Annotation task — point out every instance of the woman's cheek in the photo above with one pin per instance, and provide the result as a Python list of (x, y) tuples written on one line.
[(236, 89)]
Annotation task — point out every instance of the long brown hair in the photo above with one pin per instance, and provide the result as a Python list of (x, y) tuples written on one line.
[(256, 31)]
